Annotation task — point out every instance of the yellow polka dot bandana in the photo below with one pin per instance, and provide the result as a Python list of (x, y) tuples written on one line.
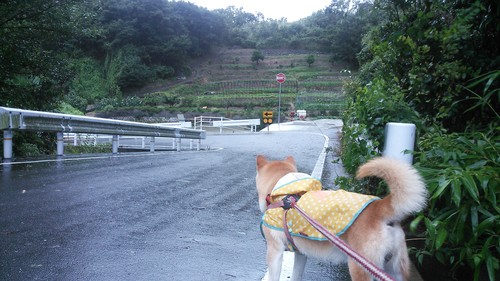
[(334, 209)]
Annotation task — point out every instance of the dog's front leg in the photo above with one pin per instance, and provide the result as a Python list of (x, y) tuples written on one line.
[(299, 263)]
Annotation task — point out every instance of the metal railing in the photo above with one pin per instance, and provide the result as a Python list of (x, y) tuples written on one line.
[(14, 119), (207, 122)]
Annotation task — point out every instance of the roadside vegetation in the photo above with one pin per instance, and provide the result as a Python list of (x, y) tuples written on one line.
[(436, 64), (432, 63)]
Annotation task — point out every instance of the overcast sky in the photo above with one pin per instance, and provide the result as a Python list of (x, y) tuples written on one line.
[(276, 9)]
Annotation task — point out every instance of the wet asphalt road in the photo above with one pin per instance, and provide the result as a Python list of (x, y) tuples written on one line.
[(189, 215)]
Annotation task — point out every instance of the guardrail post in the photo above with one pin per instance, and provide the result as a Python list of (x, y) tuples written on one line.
[(115, 144), (398, 138), (60, 144), (152, 144), (191, 145), (178, 144), (7, 144), (173, 143), (198, 145)]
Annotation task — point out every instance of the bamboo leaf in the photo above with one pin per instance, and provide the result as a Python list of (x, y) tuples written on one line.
[(474, 218), (443, 183), (441, 237), (492, 267), (478, 164), (456, 192), (414, 224), (440, 257), (487, 224), (489, 82), (471, 186)]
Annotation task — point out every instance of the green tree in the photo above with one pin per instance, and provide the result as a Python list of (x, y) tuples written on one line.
[(433, 58), (257, 56), (88, 84), (310, 60), (36, 39), (236, 31), (157, 37)]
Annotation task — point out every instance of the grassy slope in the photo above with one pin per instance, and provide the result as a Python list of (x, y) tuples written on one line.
[(227, 83)]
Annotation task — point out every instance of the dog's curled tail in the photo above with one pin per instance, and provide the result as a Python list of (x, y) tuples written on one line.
[(408, 193)]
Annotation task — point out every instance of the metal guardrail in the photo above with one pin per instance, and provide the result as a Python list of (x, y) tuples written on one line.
[(13, 119)]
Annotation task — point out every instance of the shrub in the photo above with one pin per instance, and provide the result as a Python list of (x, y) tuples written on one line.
[(88, 147), (110, 103), (68, 109), (29, 144), (164, 72), (76, 101), (371, 108), (29, 150), (462, 174)]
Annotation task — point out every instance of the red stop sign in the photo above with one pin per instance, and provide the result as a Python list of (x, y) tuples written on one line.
[(280, 77)]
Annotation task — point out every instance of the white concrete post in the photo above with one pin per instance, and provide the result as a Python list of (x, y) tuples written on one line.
[(398, 138), (191, 144), (178, 144), (115, 144), (143, 144), (173, 143), (152, 144), (198, 145), (7, 144), (60, 143)]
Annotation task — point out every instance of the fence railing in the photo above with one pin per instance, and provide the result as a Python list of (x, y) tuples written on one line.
[(14, 119), (219, 123)]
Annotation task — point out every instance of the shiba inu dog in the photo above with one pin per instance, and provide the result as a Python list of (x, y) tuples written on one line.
[(370, 225)]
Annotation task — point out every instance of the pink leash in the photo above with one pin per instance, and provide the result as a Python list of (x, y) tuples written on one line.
[(344, 247)]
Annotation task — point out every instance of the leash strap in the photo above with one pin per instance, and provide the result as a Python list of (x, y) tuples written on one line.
[(286, 204), (287, 233), (374, 270)]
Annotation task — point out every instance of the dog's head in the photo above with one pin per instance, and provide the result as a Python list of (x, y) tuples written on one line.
[(269, 173)]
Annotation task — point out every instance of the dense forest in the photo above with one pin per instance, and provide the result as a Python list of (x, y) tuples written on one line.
[(432, 63)]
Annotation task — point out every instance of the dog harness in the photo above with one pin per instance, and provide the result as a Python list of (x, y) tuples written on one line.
[(334, 209)]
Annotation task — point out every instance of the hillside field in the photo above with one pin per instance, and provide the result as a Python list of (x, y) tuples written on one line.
[(227, 83)]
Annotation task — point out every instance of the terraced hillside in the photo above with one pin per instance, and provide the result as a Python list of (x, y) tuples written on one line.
[(229, 84)]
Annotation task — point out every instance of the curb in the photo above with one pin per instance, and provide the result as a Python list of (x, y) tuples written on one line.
[(320, 163)]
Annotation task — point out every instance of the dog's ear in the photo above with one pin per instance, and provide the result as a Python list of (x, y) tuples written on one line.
[(261, 161), (290, 160)]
